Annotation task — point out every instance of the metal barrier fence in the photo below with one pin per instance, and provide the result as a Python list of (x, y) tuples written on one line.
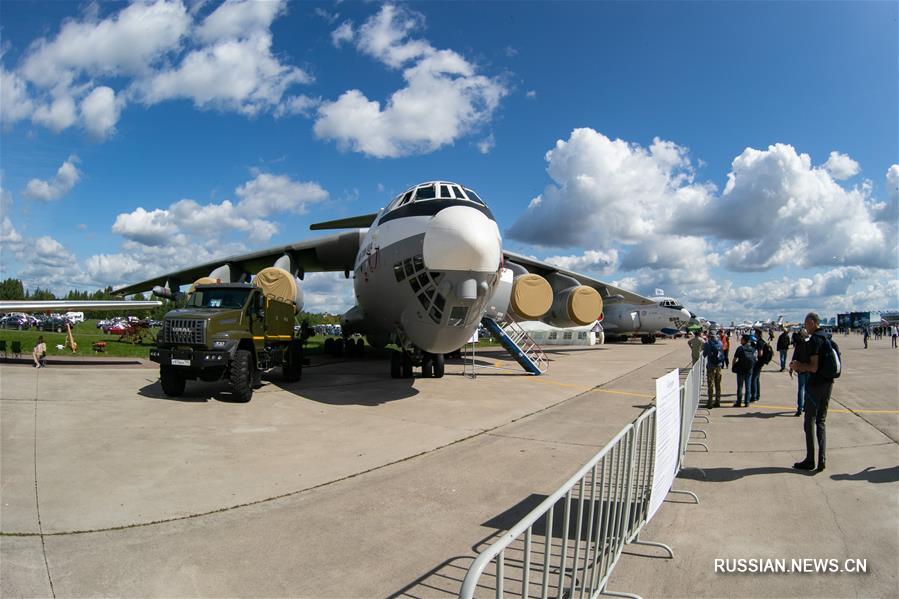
[(569, 544)]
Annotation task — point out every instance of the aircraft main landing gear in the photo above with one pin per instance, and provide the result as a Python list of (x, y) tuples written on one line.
[(648, 339)]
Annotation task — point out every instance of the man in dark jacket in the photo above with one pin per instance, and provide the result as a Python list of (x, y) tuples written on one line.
[(763, 356), (817, 395), (743, 365), (800, 354), (783, 344)]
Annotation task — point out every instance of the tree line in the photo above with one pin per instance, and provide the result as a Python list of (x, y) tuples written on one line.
[(13, 289)]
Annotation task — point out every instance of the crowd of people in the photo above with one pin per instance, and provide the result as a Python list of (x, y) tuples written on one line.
[(810, 362)]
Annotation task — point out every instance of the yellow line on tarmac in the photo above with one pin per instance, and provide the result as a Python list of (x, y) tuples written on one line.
[(831, 410)]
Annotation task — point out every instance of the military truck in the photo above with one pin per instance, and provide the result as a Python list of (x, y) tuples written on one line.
[(232, 331)]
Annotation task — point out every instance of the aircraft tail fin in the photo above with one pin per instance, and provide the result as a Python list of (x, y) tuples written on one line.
[(353, 222)]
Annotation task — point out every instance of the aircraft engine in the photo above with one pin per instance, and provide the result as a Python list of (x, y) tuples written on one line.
[(574, 305), (527, 296), (278, 284)]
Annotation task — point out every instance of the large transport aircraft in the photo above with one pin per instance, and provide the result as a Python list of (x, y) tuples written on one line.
[(624, 319), (427, 268)]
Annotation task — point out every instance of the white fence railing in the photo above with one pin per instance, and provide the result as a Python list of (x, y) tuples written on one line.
[(569, 544)]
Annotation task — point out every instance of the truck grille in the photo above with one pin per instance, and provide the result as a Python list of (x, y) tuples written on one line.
[(183, 331)]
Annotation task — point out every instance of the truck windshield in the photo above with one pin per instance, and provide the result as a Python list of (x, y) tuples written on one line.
[(218, 298)]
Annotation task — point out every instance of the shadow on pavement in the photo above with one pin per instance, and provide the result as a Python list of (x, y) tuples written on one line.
[(763, 415), (872, 475), (367, 393), (726, 475), (195, 392)]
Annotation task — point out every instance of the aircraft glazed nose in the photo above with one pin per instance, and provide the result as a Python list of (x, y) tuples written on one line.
[(459, 238)]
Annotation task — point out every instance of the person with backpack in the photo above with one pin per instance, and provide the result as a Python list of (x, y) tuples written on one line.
[(744, 363), (763, 357), (714, 360), (783, 344), (800, 354), (725, 345), (823, 366)]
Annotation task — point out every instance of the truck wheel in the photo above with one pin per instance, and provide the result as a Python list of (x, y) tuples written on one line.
[(427, 366), (241, 378), (396, 365), (439, 365), (293, 365), (172, 381)]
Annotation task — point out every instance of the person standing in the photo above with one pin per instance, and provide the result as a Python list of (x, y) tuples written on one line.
[(763, 356), (714, 360), (817, 395), (783, 344), (865, 336), (695, 344), (894, 335), (800, 354), (743, 365), (725, 345)]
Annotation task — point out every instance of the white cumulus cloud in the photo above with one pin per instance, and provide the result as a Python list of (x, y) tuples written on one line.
[(100, 111), (841, 166), (46, 191), (151, 52), (444, 97)]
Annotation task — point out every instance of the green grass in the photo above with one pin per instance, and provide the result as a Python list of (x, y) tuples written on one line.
[(86, 333)]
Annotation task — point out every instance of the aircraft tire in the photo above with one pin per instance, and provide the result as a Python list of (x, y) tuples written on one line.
[(360, 347), (339, 347), (407, 366), (171, 380), (293, 366), (427, 366), (396, 365), (240, 377), (439, 366)]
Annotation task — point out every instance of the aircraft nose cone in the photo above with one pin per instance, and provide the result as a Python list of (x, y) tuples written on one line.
[(459, 238)]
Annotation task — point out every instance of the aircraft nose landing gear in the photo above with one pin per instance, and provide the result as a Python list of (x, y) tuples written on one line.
[(402, 363)]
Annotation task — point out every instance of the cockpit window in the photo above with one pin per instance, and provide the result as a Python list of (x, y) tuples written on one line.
[(444, 191), (425, 193), (474, 197), (458, 192)]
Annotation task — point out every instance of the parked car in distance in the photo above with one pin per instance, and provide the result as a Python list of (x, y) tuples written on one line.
[(14, 321), (54, 323)]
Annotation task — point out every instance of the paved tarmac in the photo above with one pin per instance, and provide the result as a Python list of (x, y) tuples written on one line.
[(351, 484)]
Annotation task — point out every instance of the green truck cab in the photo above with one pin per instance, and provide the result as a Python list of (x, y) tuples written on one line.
[(227, 331)]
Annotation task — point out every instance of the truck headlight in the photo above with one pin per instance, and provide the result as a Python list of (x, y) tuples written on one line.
[(220, 343)]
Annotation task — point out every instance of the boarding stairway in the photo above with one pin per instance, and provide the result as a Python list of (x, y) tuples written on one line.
[(517, 342)]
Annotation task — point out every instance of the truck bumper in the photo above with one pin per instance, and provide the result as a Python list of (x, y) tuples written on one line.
[(189, 358)]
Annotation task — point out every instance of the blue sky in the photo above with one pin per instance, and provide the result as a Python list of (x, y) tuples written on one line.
[(740, 156)]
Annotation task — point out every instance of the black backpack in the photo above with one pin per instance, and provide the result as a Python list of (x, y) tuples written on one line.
[(830, 363), (765, 353)]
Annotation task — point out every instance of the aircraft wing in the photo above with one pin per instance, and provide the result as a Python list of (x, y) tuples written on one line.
[(57, 305), (609, 293), (329, 253)]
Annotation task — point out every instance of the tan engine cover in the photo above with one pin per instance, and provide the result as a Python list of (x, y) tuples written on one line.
[(532, 296), (278, 284), (584, 305)]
